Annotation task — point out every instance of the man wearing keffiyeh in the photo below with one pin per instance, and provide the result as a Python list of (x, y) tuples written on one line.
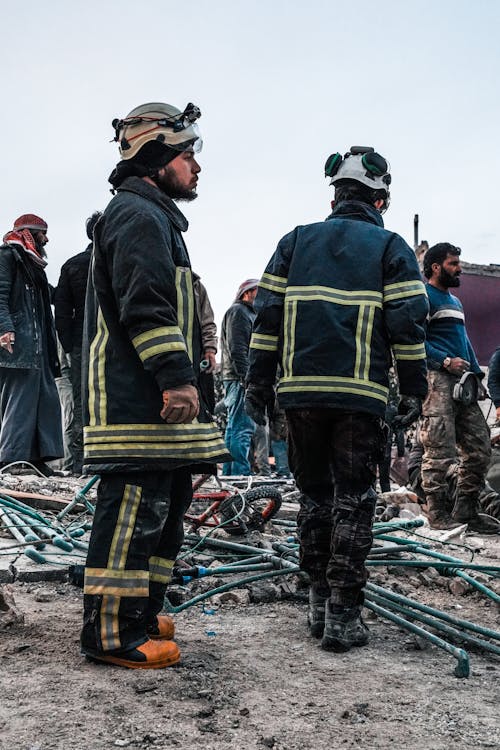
[(29, 404)]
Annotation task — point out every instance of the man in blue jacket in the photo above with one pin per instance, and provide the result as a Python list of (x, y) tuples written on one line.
[(449, 420), (337, 300)]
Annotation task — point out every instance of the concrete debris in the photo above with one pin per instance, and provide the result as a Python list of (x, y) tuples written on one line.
[(459, 587), (10, 614)]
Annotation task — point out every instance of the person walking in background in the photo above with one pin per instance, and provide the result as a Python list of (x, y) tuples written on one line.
[(29, 402), (69, 303), (236, 332)]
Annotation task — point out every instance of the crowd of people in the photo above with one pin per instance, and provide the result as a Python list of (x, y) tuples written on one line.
[(306, 355)]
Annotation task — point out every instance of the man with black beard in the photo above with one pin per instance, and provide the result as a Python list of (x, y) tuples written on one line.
[(146, 426), (29, 403), (447, 421)]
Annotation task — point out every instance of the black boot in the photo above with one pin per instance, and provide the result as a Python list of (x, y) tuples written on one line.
[(316, 613), (344, 628), (466, 510)]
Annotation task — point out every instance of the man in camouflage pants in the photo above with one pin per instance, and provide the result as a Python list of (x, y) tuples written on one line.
[(448, 424)]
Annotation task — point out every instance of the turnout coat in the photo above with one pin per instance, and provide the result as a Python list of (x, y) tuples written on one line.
[(337, 300), (142, 336)]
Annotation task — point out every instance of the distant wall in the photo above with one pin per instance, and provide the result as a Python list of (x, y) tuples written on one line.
[(480, 296)]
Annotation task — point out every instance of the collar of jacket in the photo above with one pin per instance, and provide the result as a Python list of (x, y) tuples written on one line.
[(150, 192), (357, 210)]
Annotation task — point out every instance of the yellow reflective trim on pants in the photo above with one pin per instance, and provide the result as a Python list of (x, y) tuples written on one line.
[(264, 342), (160, 569), (116, 582), (273, 283), (110, 624), (97, 373), (124, 526), (403, 289)]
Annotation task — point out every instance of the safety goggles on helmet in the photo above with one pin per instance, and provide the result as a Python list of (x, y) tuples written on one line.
[(158, 122), (361, 164)]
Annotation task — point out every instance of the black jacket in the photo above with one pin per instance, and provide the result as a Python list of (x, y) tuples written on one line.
[(142, 336), (235, 340), (24, 308), (70, 300), (336, 299)]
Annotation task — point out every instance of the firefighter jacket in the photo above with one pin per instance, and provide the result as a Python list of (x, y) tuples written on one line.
[(142, 336), (336, 299)]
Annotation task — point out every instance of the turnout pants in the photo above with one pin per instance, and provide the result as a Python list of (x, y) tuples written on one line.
[(333, 456), (136, 535)]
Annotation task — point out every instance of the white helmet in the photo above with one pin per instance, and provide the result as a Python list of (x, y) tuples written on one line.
[(158, 122), (360, 164)]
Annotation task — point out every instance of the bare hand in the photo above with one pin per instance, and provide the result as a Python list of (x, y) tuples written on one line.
[(458, 366), (7, 341), (209, 355), (180, 404)]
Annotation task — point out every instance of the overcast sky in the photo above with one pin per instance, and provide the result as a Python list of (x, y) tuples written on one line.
[(281, 85)]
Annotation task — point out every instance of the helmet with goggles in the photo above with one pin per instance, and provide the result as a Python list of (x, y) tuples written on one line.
[(158, 122), (360, 164)]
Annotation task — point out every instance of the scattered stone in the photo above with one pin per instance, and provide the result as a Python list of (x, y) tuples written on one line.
[(268, 741), (122, 743), (245, 711), (240, 597), (263, 592), (44, 596), (459, 587), (10, 614)]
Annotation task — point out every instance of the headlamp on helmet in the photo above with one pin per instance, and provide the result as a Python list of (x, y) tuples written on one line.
[(158, 122)]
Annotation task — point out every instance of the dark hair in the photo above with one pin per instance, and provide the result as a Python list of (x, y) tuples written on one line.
[(438, 254), (91, 222), (350, 190)]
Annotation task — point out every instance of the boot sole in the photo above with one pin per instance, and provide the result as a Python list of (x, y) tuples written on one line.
[(339, 647), (129, 664)]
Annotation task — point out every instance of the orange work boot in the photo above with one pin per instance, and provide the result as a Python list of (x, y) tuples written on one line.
[(149, 655), (161, 629)]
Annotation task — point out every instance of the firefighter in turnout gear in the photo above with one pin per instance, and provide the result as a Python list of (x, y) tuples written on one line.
[(146, 426), (337, 300)]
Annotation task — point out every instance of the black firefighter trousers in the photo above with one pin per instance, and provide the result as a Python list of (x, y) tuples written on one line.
[(333, 455), (136, 535)]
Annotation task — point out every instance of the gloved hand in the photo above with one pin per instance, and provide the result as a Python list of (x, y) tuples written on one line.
[(258, 400), (7, 341), (180, 404), (409, 410)]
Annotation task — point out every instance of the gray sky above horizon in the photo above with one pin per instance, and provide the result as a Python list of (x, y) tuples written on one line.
[(281, 85)]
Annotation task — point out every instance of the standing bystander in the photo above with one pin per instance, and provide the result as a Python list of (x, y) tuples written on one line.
[(29, 402)]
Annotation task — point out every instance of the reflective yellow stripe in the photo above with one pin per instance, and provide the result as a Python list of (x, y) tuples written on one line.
[(403, 289), (97, 373), (264, 341), (160, 569), (290, 320), (100, 581), (110, 623), (273, 283), (153, 432), (124, 526), (337, 296), (185, 306), (359, 342), (188, 451), (158, 341), (325, 383), (409, 351), (368, 344)]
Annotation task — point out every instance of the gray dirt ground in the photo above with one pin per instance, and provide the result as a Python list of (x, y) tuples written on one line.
[(257, 680)]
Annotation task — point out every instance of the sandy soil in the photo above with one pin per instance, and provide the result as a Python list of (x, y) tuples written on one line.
[(250, 677)]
